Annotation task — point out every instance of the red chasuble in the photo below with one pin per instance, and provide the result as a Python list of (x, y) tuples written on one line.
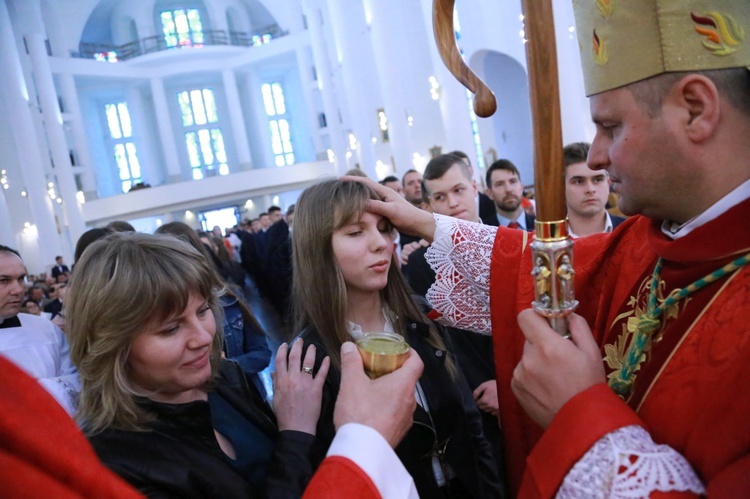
[(44, 454), (691, 391), (340, 477)]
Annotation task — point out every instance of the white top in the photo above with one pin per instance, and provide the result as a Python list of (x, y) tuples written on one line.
[(608, 226), (41, 349), (738, 195)]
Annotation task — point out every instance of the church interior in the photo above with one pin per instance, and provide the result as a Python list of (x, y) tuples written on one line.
[(210, 111)]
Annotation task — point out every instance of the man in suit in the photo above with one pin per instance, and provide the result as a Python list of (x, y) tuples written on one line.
[(59, 268), (54, 306), (586, 193), (412, 183), (486, 205), (505, 188), (449, 189), (279, 257)]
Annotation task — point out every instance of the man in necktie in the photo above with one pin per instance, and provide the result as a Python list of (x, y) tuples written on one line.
[(505, 188), (33, 343)]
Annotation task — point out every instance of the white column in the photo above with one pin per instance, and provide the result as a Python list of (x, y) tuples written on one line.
[(237, 120), (166, 133), (15, 93), (391, 60), (80, 141), (143, 137), (6, 232), (58, 143), (304, 66), (357, 69), (312, 11), (266, 203)]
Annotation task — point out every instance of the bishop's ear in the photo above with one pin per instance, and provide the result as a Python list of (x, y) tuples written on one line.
[(700, 98)]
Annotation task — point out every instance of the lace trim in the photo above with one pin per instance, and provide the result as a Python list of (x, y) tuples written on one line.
[(460, 255), (626, 464)]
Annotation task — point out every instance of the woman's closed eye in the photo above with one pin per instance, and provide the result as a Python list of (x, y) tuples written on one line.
[(169, 330)]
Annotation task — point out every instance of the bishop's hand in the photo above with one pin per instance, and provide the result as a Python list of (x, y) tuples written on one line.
[(553, 369)]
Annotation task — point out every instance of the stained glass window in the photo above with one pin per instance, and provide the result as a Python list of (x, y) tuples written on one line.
[(121, 139), (182, 28), (281, 137), (205, 143)]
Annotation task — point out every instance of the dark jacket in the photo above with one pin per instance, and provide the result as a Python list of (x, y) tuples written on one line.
[(180, 457), (279, 268), (487, 209), (452, 431)]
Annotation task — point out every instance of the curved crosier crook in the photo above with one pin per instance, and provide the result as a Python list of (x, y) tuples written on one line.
[(485, 104)]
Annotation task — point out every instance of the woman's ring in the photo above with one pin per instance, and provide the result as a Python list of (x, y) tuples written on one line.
[(308, 370)]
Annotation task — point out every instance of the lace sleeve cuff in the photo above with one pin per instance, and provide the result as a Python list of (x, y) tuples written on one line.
[(627, 463), (460, 255)]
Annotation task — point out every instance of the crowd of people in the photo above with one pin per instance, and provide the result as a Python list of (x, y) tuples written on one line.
[(143, 357)]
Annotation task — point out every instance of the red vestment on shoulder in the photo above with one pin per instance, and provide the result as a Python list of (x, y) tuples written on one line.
[(44, 454), (688, 394)]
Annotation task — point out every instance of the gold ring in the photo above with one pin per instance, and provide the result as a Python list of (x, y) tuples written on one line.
[(308, 370)]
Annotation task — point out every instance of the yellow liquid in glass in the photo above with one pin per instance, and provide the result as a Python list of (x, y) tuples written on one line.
[(382, 353)]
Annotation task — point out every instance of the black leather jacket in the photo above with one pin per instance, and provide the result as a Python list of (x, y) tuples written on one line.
[(180, 457), (452, 431)]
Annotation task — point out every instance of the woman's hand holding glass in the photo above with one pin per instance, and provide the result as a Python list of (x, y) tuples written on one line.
[(297, 392)]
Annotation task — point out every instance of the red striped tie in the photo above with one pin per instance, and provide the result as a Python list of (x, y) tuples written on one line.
[(513, 225)]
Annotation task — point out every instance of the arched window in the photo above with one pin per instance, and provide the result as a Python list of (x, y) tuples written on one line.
[(182, 28)]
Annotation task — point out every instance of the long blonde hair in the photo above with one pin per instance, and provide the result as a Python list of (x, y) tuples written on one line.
[(122, 284), (318, 286)]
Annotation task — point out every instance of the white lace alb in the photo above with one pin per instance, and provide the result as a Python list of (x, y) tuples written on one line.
[(628, 464), (460, 256)]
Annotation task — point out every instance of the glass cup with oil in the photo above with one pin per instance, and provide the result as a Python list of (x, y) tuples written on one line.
[(382, 352)]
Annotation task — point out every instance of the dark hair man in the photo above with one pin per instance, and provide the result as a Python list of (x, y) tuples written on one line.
[(586, 193), (412, 182), (505, 188), (394, 183), (274, 214), (59, 268), (486, 205)]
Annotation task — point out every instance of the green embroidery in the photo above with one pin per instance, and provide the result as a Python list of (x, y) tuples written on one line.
[(621, 381)]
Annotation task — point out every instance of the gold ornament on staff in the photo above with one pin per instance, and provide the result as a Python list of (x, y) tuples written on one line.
[(552, 247)]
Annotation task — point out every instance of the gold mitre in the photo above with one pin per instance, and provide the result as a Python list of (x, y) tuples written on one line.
[(624, 41)]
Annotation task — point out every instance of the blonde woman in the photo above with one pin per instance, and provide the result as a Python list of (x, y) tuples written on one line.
[(159, 405)]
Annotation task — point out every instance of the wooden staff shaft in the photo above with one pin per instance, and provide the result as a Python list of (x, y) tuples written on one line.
[(541, 60)]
